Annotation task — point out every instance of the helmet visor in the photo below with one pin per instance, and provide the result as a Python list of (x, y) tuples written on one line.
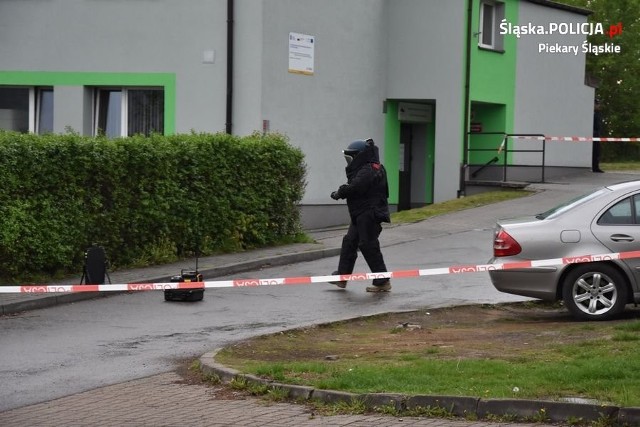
[(349, 155)]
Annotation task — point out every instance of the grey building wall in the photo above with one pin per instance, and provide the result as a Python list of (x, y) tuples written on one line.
[(426, 62), (321, 113), (248, 66), (366, 51), (73, 98), (551, 97), (342, 101), (165, 36)]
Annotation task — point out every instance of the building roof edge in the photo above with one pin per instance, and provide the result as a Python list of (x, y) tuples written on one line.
[(562, 6)]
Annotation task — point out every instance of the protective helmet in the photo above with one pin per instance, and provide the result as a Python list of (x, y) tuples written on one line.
[(355, 148)]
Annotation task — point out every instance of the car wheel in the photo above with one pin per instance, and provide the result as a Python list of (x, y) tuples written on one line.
[(594, 292)]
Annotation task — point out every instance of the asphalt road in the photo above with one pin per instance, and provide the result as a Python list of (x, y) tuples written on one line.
[(59, 351), (66, 349)]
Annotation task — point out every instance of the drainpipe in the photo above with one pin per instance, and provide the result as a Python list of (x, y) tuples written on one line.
[(467, 84), (229, 115)]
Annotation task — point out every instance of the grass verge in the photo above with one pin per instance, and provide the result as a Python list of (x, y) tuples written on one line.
[(469, 202), (620, 166), (530, 350)]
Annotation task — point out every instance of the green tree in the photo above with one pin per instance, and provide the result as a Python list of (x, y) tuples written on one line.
[(617, 74)]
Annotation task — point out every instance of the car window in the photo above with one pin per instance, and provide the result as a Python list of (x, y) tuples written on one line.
[(567, 206), (622, 213)]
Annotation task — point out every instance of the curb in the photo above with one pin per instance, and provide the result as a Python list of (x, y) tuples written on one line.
[(271, 261), (223, 270), (458, 406), (48, 301)]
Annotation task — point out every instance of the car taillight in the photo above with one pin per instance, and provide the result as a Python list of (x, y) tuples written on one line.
[(505, 245)]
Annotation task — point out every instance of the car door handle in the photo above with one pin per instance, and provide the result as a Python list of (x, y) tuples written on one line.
[(621, 238)]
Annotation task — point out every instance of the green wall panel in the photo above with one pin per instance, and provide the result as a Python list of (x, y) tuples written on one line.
[(392, 149), (492, 84)]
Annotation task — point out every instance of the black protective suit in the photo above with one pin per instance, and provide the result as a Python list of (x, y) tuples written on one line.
[(366, 192)]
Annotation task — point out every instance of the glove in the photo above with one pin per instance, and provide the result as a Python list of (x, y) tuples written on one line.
[(339, 193)]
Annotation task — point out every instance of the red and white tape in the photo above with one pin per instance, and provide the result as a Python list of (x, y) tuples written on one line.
[(578, 138), (458, 269)]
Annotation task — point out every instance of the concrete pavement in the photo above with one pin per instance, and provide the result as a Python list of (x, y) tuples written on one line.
[(164, 400)]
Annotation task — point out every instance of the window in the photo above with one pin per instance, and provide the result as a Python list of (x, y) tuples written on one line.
[(109, 115), (491, 13), (14, 109), (28, 109), (129, 111), (571, 204), (625, 212), (44, 111)]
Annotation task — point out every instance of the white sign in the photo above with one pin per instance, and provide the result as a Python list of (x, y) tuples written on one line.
[(301, 47)]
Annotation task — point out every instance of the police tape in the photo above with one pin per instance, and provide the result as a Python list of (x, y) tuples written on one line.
[(458, 269), (576, 138)]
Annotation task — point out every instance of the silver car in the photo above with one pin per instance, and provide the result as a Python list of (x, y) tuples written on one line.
[(606, 220)]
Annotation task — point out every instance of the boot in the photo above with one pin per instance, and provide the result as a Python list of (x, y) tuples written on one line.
[(348, 256), (384, 285), (375, 261), (339, 283)]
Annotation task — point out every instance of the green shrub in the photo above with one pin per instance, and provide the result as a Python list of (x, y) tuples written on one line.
[(620, 151), (144, 199)]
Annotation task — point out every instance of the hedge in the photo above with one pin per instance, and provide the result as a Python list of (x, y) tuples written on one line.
[(144, 199)]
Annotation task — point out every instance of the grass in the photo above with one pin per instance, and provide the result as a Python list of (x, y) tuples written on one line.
[(620, 166), (604, 371), (469, 202), (556, 360)]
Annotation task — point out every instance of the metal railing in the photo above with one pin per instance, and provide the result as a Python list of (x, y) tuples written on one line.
[(504, 149)]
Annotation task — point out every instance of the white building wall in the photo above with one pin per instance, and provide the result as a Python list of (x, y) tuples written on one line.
[(551, 97)]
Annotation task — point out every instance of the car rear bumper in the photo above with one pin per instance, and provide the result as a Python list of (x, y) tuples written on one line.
[(535, 282)]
